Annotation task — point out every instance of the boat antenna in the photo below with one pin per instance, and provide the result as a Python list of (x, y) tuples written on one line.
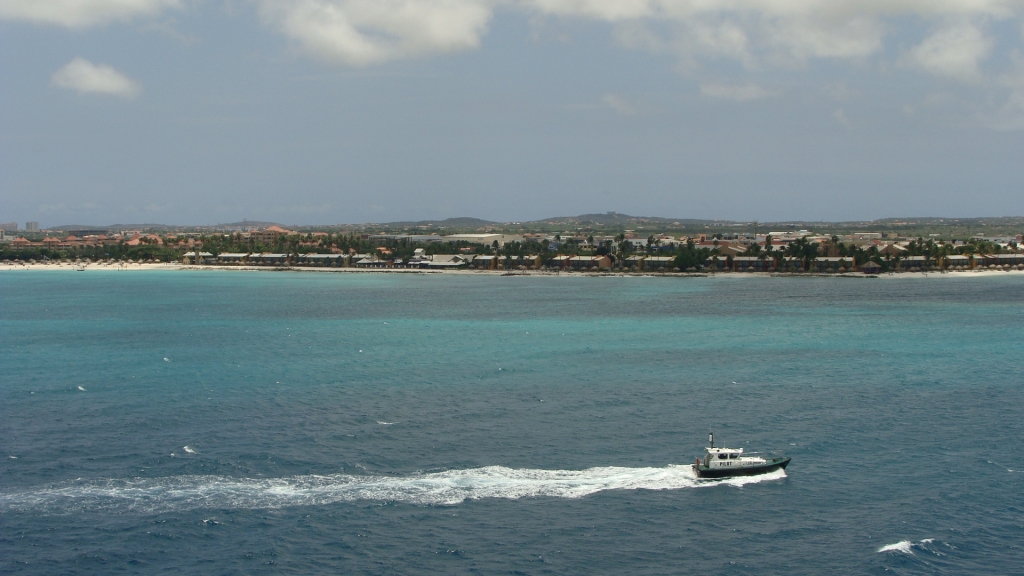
[(711, 438)]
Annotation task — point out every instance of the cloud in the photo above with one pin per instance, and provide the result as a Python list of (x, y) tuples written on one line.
[(81, 13), (739, 93), (85, 77), (364, 32), (753, 32), (619, 104), (765, 32), (953, 52), (1010, 116)]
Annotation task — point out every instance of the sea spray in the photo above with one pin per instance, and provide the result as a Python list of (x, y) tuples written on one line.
[(176, 493)]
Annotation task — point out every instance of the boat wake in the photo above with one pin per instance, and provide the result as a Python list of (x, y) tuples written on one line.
[(905, 546), (176, 493)]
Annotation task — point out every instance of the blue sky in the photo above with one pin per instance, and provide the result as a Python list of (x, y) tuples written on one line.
[(344, 111)]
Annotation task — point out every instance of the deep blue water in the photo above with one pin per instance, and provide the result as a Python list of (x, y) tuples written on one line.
[(421, 424)]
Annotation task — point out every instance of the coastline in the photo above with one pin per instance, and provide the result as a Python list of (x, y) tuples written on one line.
[(55, 267)]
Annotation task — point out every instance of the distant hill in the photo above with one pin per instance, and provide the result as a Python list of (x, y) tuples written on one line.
[(463, 222), (614, 218), (246, 224), (609, 219)]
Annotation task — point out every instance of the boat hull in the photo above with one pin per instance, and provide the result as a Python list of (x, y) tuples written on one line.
[(769, 466)]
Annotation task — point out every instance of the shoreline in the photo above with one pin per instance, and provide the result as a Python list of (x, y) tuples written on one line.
[(11, 267)]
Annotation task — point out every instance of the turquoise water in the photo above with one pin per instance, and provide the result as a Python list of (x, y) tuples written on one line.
[(407, 424)]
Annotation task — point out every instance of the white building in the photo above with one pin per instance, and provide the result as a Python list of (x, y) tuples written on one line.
[(486, 239)]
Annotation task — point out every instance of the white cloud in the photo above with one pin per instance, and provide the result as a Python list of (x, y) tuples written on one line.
[(363, 32), (753, 32), (85, 77), (739, 93), (800, 39), (81, 13), (953, 52), (619, 104)]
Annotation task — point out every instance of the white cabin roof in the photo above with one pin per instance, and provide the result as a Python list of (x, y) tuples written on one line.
[(724, 450)]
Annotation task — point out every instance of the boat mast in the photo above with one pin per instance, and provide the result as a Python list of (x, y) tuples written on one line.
[(711, 438)]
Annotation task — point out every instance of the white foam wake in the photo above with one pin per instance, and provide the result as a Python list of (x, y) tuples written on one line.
[(901, 546), (905, 546), (154, 495)]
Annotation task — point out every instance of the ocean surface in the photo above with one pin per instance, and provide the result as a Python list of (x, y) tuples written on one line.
[(308, 423)]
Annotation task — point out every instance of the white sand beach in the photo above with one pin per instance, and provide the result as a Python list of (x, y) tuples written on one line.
[(149, 266)]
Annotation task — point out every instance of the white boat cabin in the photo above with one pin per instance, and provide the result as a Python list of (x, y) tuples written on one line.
[(729, 458)]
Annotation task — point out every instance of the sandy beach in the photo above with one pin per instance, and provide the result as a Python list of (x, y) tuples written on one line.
[(116, 267)]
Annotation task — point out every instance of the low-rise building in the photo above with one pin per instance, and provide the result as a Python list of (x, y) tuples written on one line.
[(590, 263), (956, 262), (445, 261), (559, 261), (718, 262), (519, 262), (658, 263), (485, 239), (997, 260), (915, 263), (269, 259), (232, 257), (1010, 259), (372, 262), (791, 264), (486, 262), (333, 260), (832, 264), (204, 258), (892, 250), (753, 264), (632, 262)]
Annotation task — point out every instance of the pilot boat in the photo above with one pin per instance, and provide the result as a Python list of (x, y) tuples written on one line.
[(725, 462)]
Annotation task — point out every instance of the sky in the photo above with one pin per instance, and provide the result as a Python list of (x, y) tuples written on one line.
[(349, 111)]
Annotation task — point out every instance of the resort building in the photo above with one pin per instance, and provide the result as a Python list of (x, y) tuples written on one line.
[(485, 262), (333, 260), (915, 263), (269, 235), (232, 257), (559, 261), (753, 264), (485, 239), (832, 264), (792, 264), (658, 263), (956, 262), (204, 258), (590, 263), (269, 258), (632, 262), (717, 263)]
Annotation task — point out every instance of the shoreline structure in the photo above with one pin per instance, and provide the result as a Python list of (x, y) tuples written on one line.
[(785, 252), (148, 266)]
